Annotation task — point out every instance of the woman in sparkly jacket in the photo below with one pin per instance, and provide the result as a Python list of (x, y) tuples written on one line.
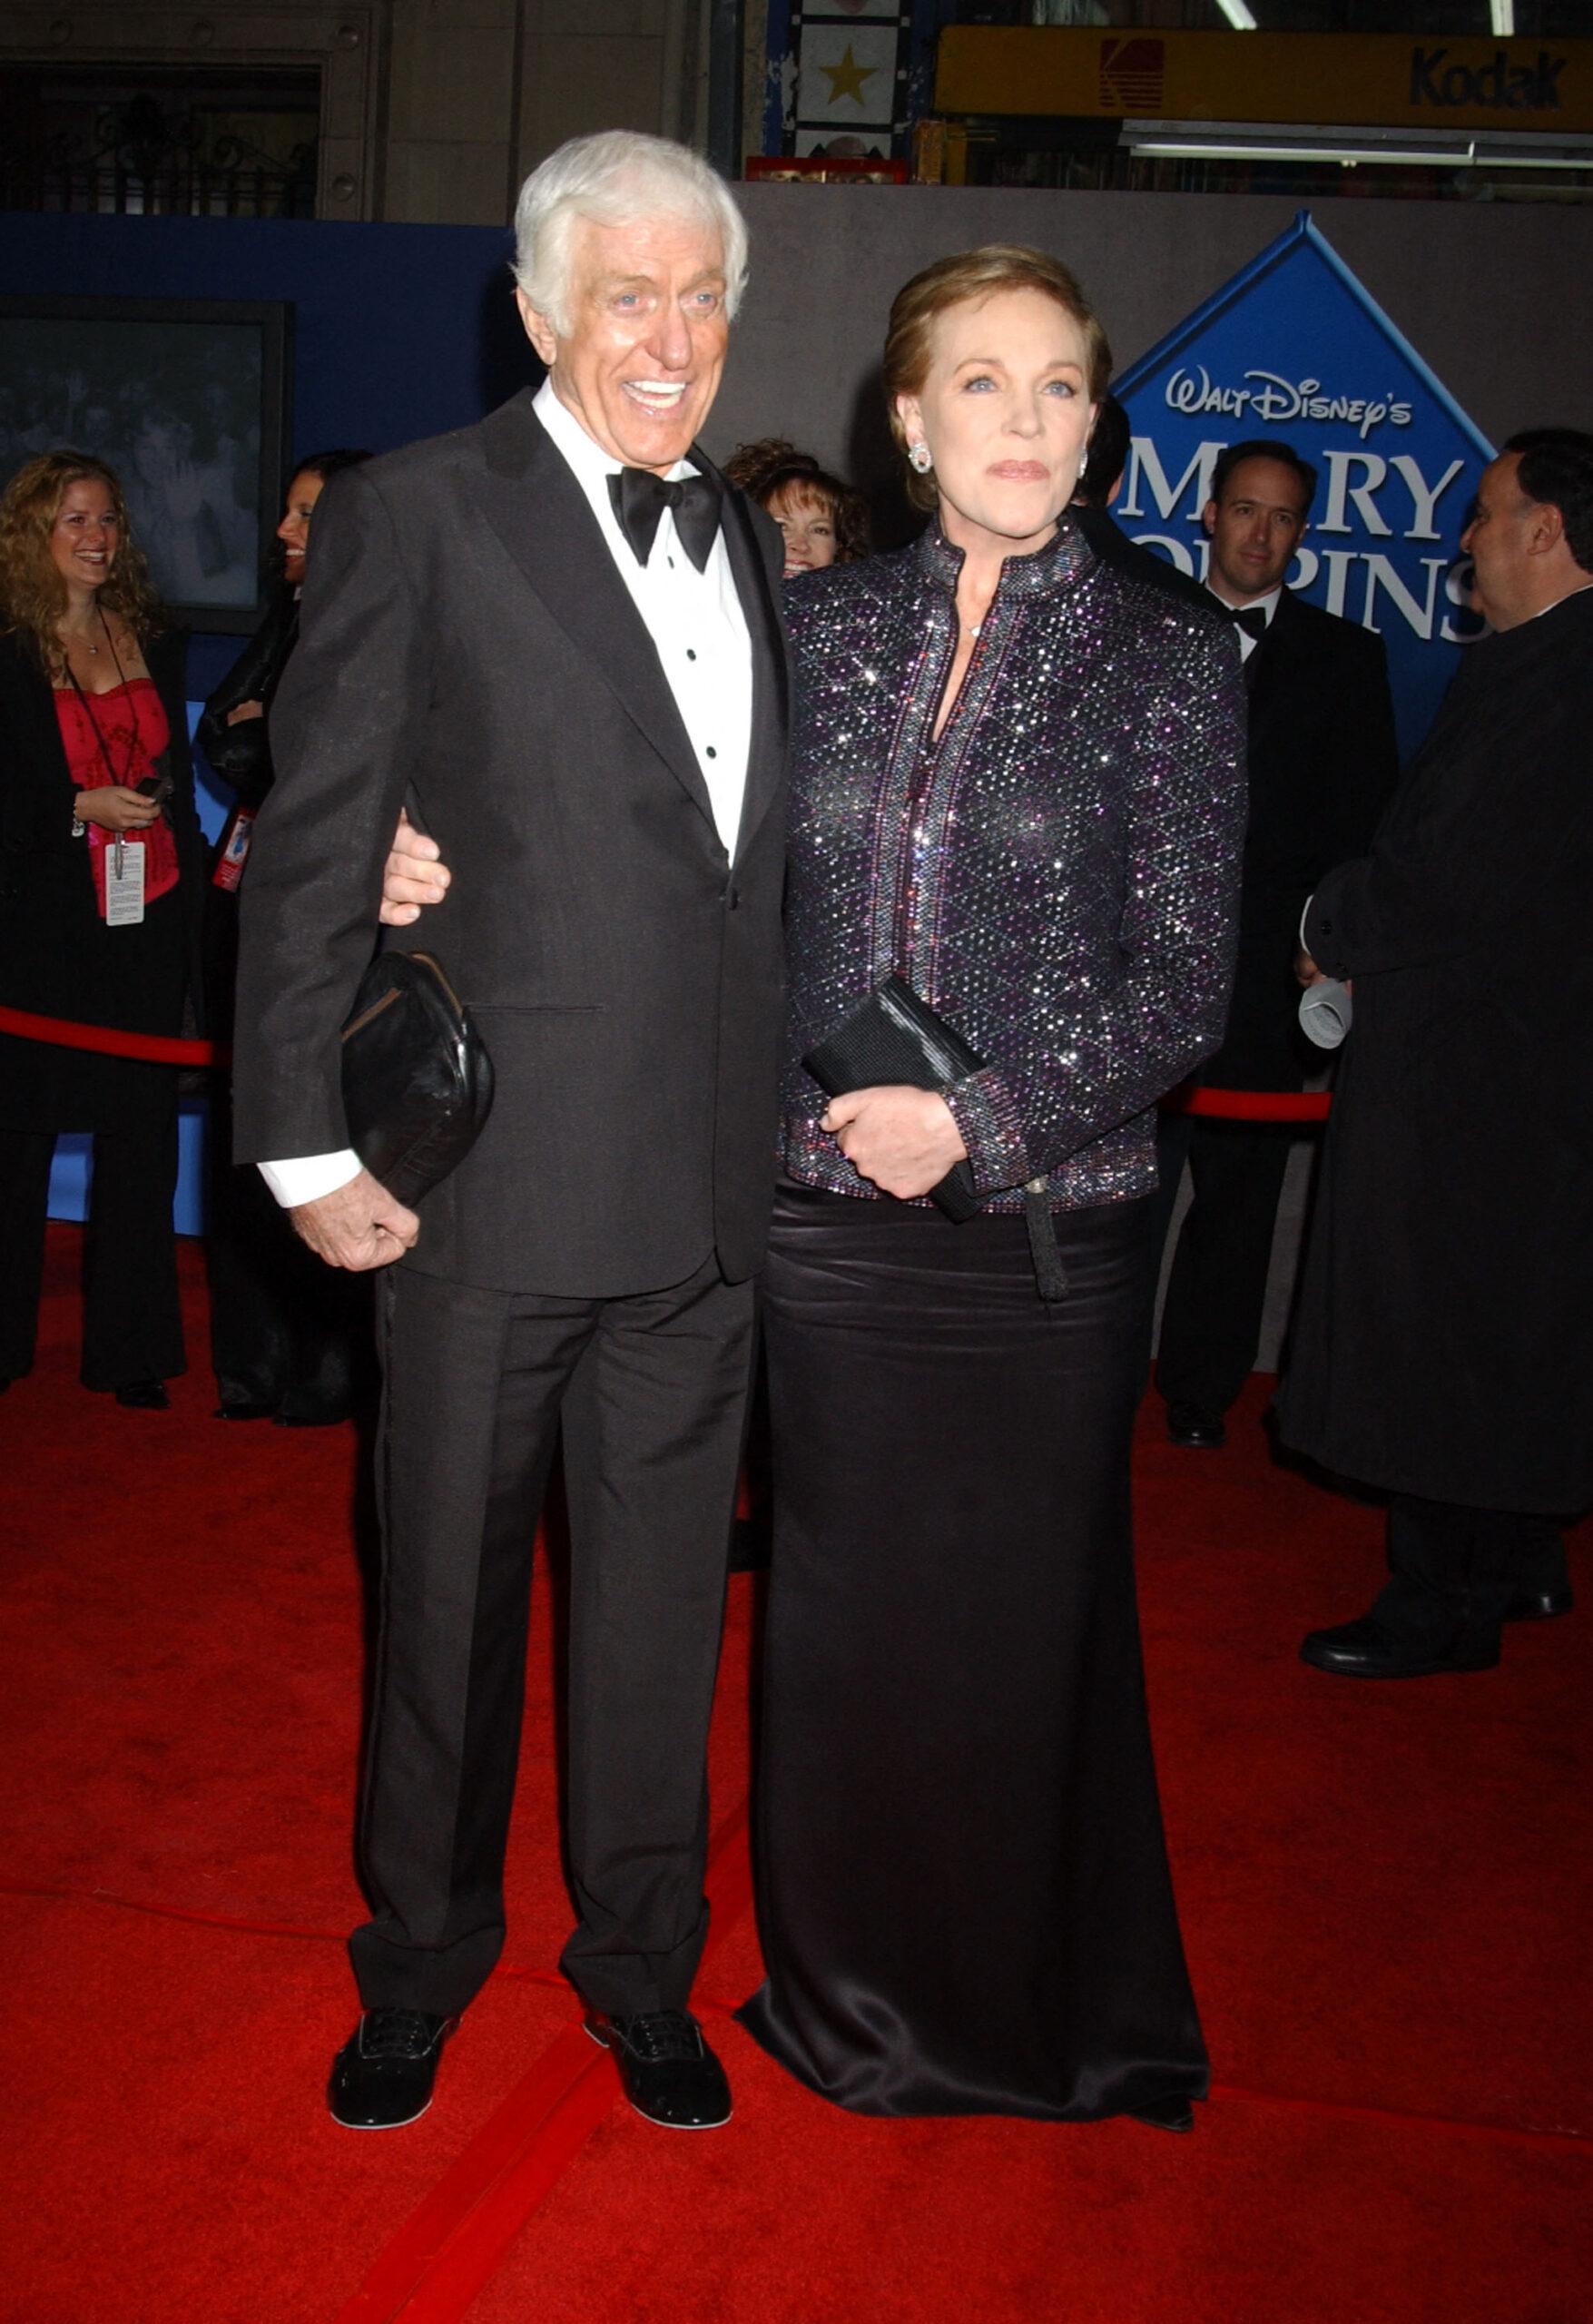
[(1017, 784)]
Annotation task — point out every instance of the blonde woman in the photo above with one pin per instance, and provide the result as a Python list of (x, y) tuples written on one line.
[(101, 880)]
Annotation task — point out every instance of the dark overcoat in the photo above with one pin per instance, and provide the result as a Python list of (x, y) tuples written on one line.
[(57, 956), (1444, 1340), (469, 651)]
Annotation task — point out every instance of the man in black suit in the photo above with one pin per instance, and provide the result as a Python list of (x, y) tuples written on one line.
[(1321, 763), (1091, 510), (555, 638)]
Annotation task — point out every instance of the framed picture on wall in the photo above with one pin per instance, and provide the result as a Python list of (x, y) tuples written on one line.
[(187, 399)]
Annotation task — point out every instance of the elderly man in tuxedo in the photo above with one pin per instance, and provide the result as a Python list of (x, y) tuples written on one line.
[(553, 639)]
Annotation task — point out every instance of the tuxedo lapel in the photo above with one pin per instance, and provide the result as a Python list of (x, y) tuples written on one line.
[(770, 705), (533, 502)]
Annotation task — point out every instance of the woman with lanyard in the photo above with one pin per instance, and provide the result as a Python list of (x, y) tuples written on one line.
[(100, 875)]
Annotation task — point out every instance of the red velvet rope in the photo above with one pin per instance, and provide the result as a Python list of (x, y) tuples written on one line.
[(154, 1048), (1250, 1105)]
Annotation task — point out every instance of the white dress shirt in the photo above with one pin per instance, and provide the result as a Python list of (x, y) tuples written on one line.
[(700, 632)]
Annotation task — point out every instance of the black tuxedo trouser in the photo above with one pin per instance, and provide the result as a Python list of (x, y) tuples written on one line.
[(651, 1391), (1453, 1570), (1216, 1291)]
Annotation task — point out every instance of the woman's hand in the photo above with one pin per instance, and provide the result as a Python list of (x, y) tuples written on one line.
[(902, 1140), (415, 875), (116, 808), (245, 710)]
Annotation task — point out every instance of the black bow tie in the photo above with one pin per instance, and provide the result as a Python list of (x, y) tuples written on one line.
[(1251, 619), (640, 499)]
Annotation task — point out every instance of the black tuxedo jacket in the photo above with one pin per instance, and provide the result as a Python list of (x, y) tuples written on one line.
[(468, 650), (1321, 761)]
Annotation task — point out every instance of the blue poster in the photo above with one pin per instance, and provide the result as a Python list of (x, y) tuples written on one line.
[(1294, 347)]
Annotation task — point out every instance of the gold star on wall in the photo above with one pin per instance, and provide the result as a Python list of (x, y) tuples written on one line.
[(846, 79)]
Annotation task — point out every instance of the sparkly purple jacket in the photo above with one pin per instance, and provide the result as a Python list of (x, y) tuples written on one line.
[(1059, 875)]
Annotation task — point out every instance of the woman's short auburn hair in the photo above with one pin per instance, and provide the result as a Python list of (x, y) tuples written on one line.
[(963, 278)]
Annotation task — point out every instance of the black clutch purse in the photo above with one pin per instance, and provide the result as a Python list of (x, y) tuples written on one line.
[(417, 1077), (895, 1037)]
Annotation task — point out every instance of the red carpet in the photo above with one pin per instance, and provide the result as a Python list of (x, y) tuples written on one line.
[(1385, 1894)]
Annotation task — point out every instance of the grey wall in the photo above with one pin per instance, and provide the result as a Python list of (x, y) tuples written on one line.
[(1493, 295)]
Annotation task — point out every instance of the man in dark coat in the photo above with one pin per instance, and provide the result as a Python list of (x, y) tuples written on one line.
[(1321, 763), (1443, 1350), (556, 637)]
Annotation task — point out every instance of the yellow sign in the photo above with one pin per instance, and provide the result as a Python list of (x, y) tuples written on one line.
[(1381, 80)]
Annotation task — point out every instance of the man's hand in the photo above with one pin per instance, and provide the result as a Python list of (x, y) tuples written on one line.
[(415, 875), (902, 1140), (1306, 970), (359, 1226)]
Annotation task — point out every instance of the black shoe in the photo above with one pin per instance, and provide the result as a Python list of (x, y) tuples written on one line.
[(1365, 1649), (144, 1396), (1164, 2114), (1189, 1426), (239, 1408), (668, 2072), (1539, 1605), (382, 2076)]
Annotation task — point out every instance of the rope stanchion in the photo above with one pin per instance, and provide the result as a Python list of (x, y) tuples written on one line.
[(105, 1041)]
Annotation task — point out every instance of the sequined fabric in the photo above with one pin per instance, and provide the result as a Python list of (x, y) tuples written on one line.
[(1058, 875)]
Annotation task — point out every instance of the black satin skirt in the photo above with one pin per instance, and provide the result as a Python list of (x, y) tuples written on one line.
[(963, 1888)]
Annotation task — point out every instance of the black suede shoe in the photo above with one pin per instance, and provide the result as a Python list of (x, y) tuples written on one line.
[(382, 2076), (1539, 1605), (1165, 2115), (1197, 1431), (144, 1396), (668, 2072), (238, 1408), (1365, 1649)]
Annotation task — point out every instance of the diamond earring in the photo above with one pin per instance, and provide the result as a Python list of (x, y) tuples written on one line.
[(919, 454)]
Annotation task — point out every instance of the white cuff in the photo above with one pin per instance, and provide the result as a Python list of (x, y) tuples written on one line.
[(308, 1177)]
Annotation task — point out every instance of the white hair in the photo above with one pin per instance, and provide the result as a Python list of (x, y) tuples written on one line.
[(616, 177)]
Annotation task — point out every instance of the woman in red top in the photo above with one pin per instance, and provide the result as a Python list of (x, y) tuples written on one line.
[(100, 884)]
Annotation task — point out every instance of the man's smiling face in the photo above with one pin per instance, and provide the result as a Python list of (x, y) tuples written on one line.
[(641, 362)]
